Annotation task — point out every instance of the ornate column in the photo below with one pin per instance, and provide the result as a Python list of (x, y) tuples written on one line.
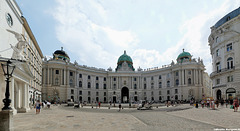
[(182, 77), (12, 96), (48, 80)]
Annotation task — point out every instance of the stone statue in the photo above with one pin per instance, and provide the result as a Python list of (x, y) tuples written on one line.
[(19, 47)]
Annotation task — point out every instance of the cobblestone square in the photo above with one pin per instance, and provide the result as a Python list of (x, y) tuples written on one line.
[(180, 118)]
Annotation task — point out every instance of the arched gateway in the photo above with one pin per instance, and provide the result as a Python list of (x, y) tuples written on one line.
[(125, 95)]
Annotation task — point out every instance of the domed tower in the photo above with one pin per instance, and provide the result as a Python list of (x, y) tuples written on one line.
[(60, 54), (125, 63), (184, 56)]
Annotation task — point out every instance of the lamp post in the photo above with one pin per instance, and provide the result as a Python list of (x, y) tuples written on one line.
[(8, 71)]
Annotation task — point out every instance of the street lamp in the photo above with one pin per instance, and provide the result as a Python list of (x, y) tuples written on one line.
[(8, 71)]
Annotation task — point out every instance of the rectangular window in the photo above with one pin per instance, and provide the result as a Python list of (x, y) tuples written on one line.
[(152, 78), (114, 79), (104, 86), (135, 79), (80, 92), (144, 78), (57, 71), (72, 91), (152, 85), (145, 86), (80, 75), (160, 93), (217, 52), (89, 77), (218, 67), (71, 73), (168, 92), (96, 93), (168, 83), (176, 91), (218, 81), (80, 83), (89, 93), (229, 47), (97, 78), (176, 73), (160, 84), (104, 79), (230, 78), (105, 93)]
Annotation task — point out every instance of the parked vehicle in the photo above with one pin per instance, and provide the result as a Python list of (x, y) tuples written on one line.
[(70, 102), (144, 105)]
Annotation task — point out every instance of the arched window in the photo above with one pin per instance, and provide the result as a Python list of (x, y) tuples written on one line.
[(160, 77), (177, 82), (230, 63), (189, 81)]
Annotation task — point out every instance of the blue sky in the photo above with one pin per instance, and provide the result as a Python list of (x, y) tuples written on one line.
[(153, 32)]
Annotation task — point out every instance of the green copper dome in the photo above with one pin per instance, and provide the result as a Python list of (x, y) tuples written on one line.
[(184, 55), (123, 58), (60, 54), (125, 61)]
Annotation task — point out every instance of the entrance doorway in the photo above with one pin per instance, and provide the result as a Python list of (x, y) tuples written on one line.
[(231, 93), (219, 95), (125, 95)]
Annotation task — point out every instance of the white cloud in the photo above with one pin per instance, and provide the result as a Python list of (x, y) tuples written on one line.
[(84, 35), (97, 33)]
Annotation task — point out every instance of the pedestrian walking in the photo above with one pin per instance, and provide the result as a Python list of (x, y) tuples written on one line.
[(120, 106), (38, 107), (217, 103), (196, 104), (96, 104), (213, 104), (226, 102), (235, 104), (202, 103), (110, 104), (99, 104), (208, 103)]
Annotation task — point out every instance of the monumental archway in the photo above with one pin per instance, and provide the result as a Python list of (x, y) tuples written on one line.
[(125, 95)]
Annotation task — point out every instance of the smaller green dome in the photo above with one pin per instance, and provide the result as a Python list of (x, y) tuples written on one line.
[(123, 58), (184, 55)]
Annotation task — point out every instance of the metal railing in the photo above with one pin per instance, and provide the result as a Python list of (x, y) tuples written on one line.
[(222, 71)]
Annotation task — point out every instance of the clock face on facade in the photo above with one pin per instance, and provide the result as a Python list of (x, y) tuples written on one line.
[(9, 19)]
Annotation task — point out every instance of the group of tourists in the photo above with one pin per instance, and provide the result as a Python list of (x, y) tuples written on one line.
[(213, 104), (39, 104)]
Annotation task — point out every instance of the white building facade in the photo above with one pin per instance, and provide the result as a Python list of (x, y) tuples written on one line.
[(225, 50), (13, 45), (63, 80)]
